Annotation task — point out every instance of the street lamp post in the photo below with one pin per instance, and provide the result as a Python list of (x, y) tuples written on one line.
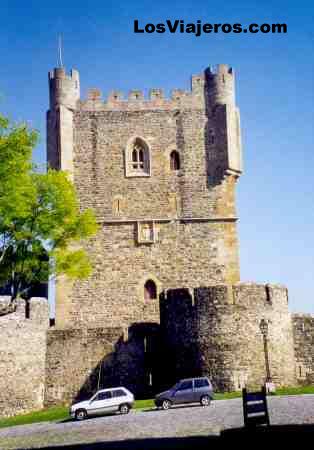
[(264, 330)]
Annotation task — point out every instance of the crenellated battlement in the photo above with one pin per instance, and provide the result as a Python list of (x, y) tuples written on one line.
[(154, 99), (259, 295), (303, 316), (60, 73), (213, 86), (220, 69), (248, 295)]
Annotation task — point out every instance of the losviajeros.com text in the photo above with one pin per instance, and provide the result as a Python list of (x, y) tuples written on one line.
[(198, 28)]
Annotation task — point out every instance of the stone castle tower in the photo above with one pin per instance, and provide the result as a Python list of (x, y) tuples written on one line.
[(165, 300), (161, 175)]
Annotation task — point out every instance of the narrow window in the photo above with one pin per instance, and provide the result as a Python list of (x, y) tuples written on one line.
[(211, 137), (174, 160), (268, 293), (150, 290), (117, 205)]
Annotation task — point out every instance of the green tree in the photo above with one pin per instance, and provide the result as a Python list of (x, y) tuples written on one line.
[(41, 225)]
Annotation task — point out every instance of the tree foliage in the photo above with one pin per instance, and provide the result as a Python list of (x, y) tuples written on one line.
[(41, 225)]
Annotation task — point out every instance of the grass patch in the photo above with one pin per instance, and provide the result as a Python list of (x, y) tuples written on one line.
[(227, 395), (44, 415), (300, 390), (144, 404), (57, 413), (62, 412)]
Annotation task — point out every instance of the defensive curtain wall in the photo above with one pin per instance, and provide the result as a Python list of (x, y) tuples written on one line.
[(215, 332), (23, 345)]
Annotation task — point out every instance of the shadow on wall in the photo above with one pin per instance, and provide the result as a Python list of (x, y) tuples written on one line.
[(152, 357), (148, 359), (135, 364), (179, 333)]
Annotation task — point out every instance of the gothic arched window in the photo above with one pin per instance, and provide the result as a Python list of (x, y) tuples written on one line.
[(174, 160), (150, 290), (137, 158)]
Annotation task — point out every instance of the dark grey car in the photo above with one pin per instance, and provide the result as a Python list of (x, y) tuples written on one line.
[(190, 390)]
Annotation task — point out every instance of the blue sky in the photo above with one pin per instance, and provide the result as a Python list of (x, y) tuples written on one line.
[(275, 92)]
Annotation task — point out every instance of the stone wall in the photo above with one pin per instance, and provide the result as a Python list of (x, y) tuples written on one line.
[(22, 357), (303, 328), (193, 214), (219, 328), (79, 361), (183, 255), (72, 356)]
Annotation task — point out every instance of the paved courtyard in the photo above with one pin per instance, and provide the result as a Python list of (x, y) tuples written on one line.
[(188, 424)]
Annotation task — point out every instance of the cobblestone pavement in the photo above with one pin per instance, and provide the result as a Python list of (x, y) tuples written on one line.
[(186, 421)]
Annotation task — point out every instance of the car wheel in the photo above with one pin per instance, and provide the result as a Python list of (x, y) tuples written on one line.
[(166, 404), (80, 414), (205, 400), (124, 409)]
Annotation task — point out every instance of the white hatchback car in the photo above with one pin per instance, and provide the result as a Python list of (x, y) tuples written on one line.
[(104, 401)]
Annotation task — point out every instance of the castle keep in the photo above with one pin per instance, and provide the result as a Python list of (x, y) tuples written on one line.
[(165, 299), (160, 174)]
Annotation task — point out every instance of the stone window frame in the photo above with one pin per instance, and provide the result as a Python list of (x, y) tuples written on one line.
[(174, 160), (118, 199), (140, 239), (143, 162), (150, 290), (169, 150), (141, 291)]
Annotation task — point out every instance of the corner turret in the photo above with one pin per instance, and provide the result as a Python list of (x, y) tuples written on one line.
[(224, 121), (64, 89), (64, 93), (220, 83)]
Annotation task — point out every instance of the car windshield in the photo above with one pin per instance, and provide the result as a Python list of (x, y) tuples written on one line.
[(175, 387)]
